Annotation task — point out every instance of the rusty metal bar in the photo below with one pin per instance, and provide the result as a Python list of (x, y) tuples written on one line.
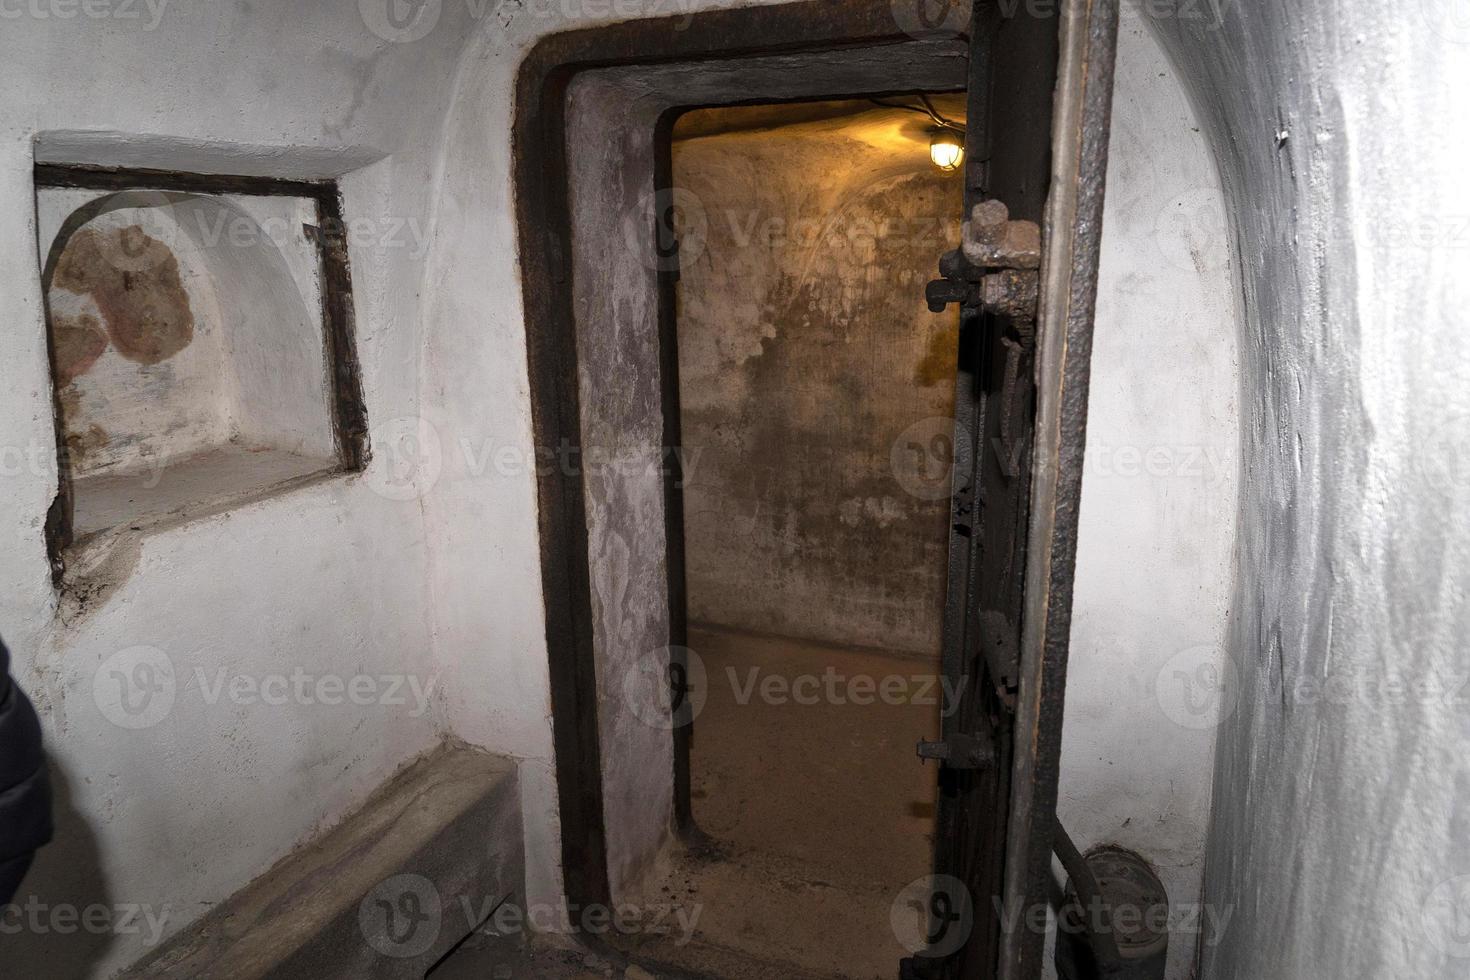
[(1072, 232)]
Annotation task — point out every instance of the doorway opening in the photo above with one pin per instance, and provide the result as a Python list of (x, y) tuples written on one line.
[(815, 412), (594, 127), (594, 120)]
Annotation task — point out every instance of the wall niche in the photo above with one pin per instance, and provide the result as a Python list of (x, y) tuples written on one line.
[(201, 343)]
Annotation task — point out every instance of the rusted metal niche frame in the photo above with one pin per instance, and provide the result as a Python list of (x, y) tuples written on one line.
[(543, 221), (339, 324)]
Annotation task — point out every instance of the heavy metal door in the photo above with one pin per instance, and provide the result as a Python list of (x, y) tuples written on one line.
[(1025, 278)]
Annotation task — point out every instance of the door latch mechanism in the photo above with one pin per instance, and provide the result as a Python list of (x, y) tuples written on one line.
[(959, 751), (995, 267)]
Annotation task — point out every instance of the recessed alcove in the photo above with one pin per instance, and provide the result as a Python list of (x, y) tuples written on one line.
[(195, 360)]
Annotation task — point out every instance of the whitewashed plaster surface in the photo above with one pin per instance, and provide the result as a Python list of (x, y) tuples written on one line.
[(1341, 805), (255, 370), (332, 580)]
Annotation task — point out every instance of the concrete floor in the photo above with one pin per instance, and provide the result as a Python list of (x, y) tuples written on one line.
[(814, 816)]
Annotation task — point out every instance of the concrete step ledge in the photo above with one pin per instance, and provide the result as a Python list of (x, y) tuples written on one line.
[(385, 893)]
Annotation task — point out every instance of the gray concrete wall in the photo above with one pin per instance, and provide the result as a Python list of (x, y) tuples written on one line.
[(1342, 788), (807, 360)]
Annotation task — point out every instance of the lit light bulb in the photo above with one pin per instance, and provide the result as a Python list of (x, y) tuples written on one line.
[(946, 149)]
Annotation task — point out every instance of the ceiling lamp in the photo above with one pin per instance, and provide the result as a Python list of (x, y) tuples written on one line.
[(946, 149)]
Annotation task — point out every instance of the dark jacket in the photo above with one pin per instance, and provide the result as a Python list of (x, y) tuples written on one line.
[(25, 789)]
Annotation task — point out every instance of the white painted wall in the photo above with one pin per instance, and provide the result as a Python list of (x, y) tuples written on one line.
[(1342, 779), (1156, 543), (332, 579), (1323, 118)]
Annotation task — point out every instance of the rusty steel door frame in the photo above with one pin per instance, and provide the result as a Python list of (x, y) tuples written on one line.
[(1072, 239), (1025, 277), (1008, 142), (543, 224), (1012, 836)]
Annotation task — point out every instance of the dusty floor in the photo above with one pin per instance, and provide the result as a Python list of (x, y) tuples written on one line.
[(817, 815), (815, 783)]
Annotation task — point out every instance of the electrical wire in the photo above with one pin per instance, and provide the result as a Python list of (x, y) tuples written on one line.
[(927, 109)]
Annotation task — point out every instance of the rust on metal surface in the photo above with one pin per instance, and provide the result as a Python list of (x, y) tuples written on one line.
[(991, 239), (1073, 224), (1010, 293)]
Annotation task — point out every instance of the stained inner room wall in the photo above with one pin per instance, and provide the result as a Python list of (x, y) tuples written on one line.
[(812, 376)]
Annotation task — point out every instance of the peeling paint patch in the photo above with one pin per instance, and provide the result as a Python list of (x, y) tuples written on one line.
[(84, 444), (78, 342), (134, 280)]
